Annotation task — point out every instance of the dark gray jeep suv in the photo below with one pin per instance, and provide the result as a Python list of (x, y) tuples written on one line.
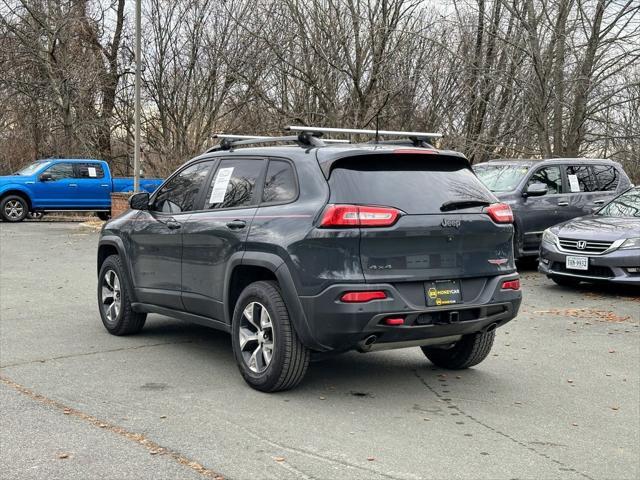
[(317, 247), (543, 193)]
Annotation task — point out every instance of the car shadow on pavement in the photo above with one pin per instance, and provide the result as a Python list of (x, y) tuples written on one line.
[(352, 373)]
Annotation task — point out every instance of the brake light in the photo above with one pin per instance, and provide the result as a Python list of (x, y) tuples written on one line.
[(363, 296), (415, 151), (359, 216), (511, 284), (499, 212)]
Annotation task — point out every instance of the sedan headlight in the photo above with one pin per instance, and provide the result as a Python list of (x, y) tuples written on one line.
[(631, 243), (549, 237)]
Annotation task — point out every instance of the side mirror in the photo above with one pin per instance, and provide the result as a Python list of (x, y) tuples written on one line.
[(46, 177), (139, 201), (536, 190)]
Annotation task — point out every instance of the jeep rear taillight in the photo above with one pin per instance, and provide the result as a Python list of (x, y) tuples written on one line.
[(499, 212), (359, 216), (363, 296)]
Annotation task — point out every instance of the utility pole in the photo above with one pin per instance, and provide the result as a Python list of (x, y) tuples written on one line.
[(136, 153)]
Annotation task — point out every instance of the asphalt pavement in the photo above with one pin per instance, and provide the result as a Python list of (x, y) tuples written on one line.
[(559, 396)]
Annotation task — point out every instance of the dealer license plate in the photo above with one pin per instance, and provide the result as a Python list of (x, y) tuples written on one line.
[(443, 292)]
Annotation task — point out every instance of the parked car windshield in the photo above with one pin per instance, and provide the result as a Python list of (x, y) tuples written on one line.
[(501, 178), (33, 168), (626, 205), (412, 183)]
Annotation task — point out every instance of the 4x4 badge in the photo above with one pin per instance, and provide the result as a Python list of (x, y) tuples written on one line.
[(450, 223)]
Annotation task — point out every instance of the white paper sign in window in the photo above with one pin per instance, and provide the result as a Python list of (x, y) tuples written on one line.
[(220, 185), (573, 183), (92, 171)]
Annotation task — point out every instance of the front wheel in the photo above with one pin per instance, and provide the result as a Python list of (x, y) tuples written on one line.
[(13, 208), (268, 352), (114, 299), (470, 350)]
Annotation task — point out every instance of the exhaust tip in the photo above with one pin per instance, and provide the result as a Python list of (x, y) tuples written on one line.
[(370, 340), (491, 327)]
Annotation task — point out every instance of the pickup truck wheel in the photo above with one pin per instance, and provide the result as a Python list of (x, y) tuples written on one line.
[(269, 354), (470, 350), (104, 216), (13, 208), (114, 300)]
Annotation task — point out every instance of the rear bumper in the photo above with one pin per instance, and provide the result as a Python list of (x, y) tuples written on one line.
[(340, 326), (611, 267)]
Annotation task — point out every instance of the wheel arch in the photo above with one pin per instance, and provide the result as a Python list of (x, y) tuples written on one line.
[(20, 193), (112, 245), (252, 267)]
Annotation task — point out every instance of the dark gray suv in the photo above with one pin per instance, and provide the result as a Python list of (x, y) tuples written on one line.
[(543, 193), (316, 247)]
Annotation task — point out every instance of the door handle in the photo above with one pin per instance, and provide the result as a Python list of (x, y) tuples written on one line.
[(173, 225), (598, 202), (104, 184), (563, 204), (236, 225), (73, 184)]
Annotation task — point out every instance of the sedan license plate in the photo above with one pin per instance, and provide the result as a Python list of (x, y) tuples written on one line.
[(443, 292), (577, 263)]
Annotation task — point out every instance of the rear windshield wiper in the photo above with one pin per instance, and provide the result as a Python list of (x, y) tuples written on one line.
[(459, 204)]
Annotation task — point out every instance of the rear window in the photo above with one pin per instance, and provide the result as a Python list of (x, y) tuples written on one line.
[(416, 184)]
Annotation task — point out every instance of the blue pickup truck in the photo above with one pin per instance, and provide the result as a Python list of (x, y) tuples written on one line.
[(63, 184)]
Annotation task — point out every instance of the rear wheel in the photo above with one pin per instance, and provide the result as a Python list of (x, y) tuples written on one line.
[(268, 352), (565, 281), (13, 208), (114, 299), (470, 350)]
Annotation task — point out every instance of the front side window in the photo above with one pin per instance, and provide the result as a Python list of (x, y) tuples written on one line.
[(60, 171), (607, 177), (181, 192), (280, 182), (550, 176), (89, 170), (234, 184), (580, 179)]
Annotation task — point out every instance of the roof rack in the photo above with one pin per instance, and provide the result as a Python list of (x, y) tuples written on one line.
[(419, 139), (230, 140)]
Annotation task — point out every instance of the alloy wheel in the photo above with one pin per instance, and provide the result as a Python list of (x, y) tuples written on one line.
[(256, 337), (13, 209), (111, 295)]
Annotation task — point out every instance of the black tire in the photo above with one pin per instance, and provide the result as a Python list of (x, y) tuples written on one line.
[(104, 216), (565, 281), (289, 358), (470, 350), (122, 320), (14, 208)]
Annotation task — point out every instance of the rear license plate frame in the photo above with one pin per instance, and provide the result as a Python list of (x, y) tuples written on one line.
[(443, 292)]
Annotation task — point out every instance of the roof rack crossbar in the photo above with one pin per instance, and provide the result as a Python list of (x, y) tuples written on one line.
[(230, 141)]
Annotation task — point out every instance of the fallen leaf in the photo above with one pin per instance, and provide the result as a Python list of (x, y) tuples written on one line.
[(103, 425), (615, 408), (63, 455), (163, 416), (279, 459), (370, 459), (322, 398)]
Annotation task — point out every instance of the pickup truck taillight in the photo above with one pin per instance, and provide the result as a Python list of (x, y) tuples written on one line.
[(358, 216)]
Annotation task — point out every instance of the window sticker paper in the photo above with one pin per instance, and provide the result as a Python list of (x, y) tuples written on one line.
[(220, 185), (92, 171), (573, 183)]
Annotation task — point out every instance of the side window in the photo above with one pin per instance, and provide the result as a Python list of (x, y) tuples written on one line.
[(280, 182), (180, 193), (89, 170), (607, 177), (234, 184), (580, 179), (550, 176), (60, 171)]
